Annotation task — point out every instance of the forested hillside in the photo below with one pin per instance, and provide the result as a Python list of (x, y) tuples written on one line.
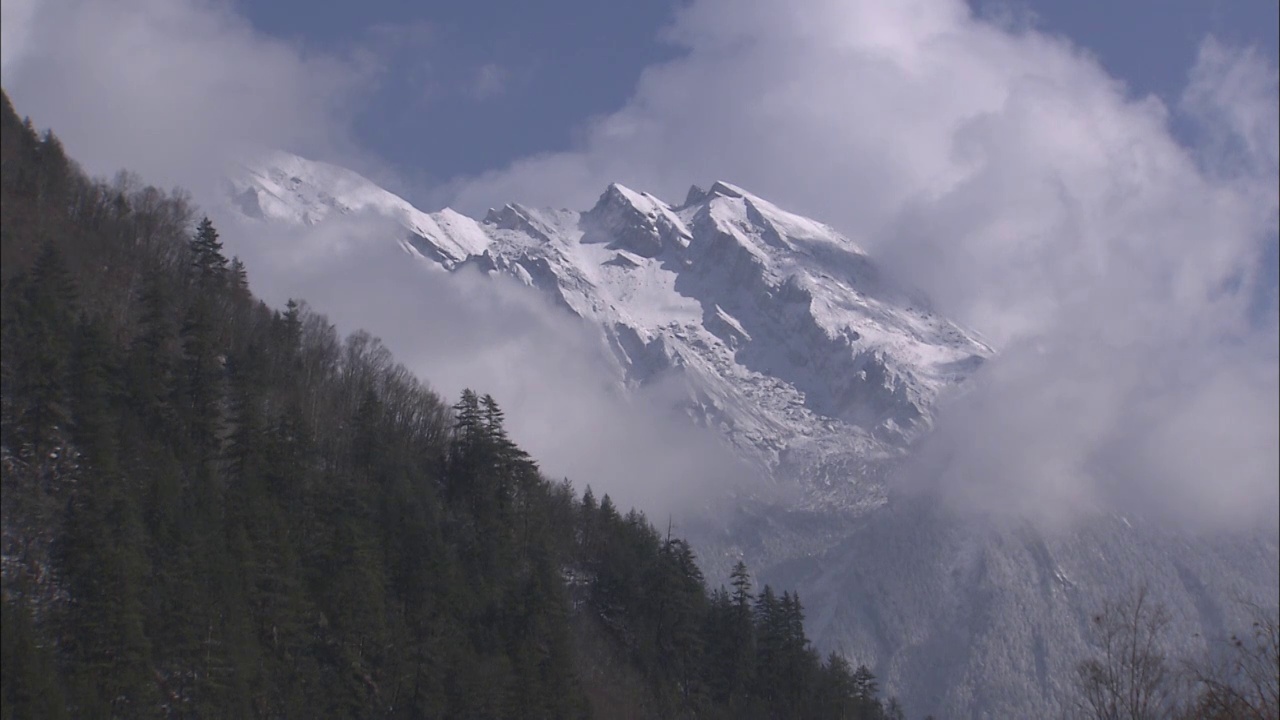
[(216, 509)]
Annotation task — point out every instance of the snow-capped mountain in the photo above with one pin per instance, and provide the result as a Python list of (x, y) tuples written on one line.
[(790, 341), (822, 371), (287, 188)]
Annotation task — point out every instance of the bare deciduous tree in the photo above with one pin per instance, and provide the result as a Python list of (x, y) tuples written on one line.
[(1245, 683), (1129, 677)]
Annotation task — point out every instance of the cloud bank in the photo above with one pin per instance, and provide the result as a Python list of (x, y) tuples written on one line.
[(174, 91), (1124, 276)]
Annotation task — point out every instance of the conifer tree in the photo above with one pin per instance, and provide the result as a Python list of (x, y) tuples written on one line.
[(42, 336), (152, 365), (91, 383), (201, 380), (239, 276), (207, 259), (864, 686), (740, 636)]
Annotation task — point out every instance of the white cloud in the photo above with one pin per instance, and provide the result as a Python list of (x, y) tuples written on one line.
[(1007, 174), (1230, 96), (172, 90), (15, 19)]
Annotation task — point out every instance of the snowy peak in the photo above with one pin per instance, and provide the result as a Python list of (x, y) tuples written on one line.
[(517, 218), (285, 188), (638, 222), (724, 189), (790, 341), (719, 188)]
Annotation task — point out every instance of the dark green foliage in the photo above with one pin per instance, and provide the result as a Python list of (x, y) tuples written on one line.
[(31, 687), (41, 322), (214, 509), (207, 260)]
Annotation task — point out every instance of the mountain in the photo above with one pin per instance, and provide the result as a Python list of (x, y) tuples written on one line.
[(790, 341), (822, 371)]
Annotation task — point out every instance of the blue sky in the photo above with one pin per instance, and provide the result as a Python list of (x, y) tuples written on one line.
[(473, 86)]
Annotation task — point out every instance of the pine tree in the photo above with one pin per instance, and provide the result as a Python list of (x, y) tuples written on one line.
[(43, 323), (239, 277), (770, 647), (207, 259), (292, 327), (246, 441), (201, 381), (865, 688), (834, 696), (367, 445), (468, 425), (681, 598), (740, 638), (92, 387), (152, 365)]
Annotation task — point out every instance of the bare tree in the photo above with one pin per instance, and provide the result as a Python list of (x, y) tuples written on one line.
[(1244, 684), (1128, 677)]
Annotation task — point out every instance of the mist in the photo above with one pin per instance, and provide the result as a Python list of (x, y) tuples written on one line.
[(551, 372)]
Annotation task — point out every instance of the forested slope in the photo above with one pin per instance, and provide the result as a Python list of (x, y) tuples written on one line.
[(213, 508)]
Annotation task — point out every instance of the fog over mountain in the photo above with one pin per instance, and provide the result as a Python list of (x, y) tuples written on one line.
[(835, 385)]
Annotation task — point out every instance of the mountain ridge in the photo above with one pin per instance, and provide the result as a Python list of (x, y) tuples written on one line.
[(784, 327)]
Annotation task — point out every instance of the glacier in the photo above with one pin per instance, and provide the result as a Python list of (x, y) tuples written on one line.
[(821, 372)]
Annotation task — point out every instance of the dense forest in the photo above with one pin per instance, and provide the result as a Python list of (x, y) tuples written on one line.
[(217, 509)]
